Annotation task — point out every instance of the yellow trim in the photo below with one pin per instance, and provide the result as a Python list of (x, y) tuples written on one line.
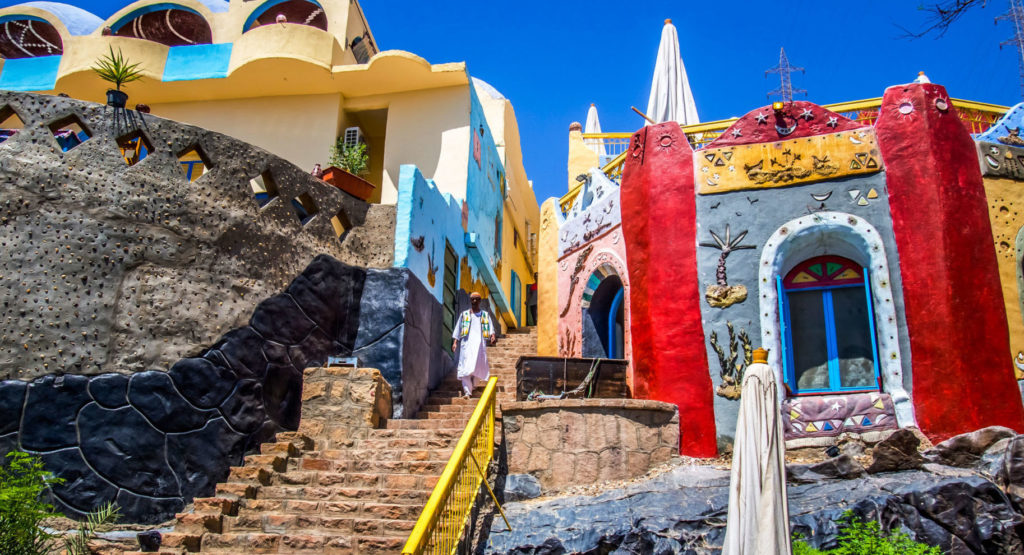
[(443, 520)]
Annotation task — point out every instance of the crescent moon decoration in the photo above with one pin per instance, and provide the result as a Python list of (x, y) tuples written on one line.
[(821, 197), (783, 131)]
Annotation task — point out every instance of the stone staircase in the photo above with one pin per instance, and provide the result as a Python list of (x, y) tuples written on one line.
[(341, 484)]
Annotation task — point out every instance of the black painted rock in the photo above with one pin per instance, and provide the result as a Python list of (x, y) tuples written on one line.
[(242, 348), (12, 399), (203, 456), (109, 390), (965, 450), (896, 452), (124, 448), (154, 395), (82, 489), (202, 382), (280, 319), (149, 541), (243, 409), (841, 467), (52, 406), (521, 486)]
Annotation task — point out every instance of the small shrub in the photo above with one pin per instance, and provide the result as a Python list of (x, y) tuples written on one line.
[(22, 484), (352, 159), (857, 537), (115, 69)]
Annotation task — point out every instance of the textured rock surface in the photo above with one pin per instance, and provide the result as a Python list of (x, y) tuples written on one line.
[(116, 268), (684, 511), (896, 452), (155, 440)]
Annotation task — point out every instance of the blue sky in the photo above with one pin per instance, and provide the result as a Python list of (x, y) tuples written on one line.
[(552, 59)]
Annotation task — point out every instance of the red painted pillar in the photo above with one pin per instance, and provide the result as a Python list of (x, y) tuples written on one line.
[(962, 376), (659, 222)]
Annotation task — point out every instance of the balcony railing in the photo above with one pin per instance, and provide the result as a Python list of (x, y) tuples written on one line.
[(977, 116)]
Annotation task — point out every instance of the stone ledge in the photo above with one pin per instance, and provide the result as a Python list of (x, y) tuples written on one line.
[(559, 404)]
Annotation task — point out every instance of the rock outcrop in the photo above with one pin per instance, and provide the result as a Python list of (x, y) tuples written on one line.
[(972, 510)]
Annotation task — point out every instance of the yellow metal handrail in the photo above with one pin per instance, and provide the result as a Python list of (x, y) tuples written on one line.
[(978, 116), (441, 524)]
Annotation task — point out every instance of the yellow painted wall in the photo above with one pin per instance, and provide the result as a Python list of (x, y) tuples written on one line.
[(581, 158), (300, 129), (428, 128), (547, 280), (1006, 213)]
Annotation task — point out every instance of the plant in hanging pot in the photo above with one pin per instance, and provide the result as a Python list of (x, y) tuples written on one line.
[(114, 68), (349, 164)]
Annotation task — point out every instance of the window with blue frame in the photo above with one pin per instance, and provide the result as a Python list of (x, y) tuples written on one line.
[(516, 296), (828, 327)]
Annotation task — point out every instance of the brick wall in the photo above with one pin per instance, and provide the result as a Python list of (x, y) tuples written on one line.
[(584, 441)]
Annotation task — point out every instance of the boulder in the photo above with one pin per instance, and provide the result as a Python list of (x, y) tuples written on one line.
[(966, 450), (896, 452), (841, 467)]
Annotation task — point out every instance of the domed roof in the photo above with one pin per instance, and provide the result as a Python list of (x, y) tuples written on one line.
[(77, 20)]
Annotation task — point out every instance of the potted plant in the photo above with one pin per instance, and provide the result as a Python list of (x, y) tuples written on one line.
[(349, 163), (114, 68)]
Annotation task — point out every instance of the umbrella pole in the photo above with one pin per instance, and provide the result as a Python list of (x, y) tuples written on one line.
[(643, 115)]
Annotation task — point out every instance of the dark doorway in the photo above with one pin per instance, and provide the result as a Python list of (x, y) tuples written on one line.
[(603, 321)]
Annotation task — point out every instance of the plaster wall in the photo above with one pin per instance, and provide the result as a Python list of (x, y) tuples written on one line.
[(581, 158), (761, 213), (547, 275), (300, 129), (1006, 213)]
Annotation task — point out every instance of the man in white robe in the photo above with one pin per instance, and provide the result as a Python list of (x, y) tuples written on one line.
[(472, 327)]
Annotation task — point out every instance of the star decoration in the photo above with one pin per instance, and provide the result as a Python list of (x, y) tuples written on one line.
[(832, 122), (761, 118), (806, 114), (737, 133)]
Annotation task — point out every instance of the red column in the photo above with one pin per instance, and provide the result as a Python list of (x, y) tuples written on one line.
[(962, 376), (659, 223)]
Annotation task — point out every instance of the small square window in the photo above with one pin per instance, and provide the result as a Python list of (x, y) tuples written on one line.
[(135, 146), (10, 123), (305, 208), (264, 190), (69, 132), (194, 162), (341, 224)]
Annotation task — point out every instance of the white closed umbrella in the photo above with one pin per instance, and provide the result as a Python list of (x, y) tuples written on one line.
[(594, 126), (758, 510), (671, 98)]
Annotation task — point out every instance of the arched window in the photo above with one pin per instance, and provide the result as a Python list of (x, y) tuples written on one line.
[(828, 327), (301, 12), (25, 36), (167, 24)]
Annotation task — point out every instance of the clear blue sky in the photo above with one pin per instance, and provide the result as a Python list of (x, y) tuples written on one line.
[(553, 58)]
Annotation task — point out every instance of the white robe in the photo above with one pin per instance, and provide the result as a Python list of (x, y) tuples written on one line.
[(472, 352), (758, 510)]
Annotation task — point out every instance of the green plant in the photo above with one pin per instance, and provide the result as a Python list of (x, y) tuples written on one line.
[(96, 521), (351, 158), (22, 484), (114, 68), (857, 537), (23, 481)]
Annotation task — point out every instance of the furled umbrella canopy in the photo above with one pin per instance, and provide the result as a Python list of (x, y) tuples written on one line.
[(758, 521), (671, 98), (594, 126)]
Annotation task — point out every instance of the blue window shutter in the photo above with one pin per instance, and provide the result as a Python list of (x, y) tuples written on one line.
[(831, 342)]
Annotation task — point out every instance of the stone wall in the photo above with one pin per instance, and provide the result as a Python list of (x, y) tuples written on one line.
[(583, 441), (341, 404), (115, 268)]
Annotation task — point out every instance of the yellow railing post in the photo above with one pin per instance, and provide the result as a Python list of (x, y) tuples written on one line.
[(444, 517)]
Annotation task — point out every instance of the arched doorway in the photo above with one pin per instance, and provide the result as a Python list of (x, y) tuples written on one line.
[(604, 319)]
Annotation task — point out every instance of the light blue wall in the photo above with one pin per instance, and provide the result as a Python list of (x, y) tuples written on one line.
[(424, 211), (30, 74), (200, 61), (483, 186), (1014, 118)]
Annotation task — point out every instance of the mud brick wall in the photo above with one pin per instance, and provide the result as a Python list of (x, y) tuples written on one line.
[(584, 441)]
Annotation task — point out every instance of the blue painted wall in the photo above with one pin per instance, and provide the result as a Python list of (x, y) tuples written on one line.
[(483, 185), (30, 74), (200, 61)]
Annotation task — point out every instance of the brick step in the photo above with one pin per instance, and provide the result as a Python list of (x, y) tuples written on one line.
[(312, 524), (371, 465), (412, 433), (414, 424), (460, 408), (352, 502), (408, 443)]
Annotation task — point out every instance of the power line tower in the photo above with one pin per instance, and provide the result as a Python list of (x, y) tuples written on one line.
[(1015, 15), (786, 89)]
